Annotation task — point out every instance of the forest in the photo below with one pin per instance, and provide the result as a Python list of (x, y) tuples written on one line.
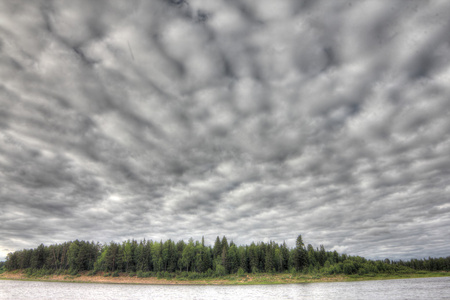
[(147, 258)]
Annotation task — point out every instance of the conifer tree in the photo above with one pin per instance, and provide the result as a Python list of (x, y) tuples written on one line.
[(300, 254)]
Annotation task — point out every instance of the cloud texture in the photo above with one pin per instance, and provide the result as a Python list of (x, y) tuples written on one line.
[(258, 120)]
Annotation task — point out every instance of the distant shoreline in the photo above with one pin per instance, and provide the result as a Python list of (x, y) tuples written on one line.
[(247, 279)]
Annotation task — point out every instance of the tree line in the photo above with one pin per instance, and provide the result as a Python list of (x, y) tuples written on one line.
[(147, 258)]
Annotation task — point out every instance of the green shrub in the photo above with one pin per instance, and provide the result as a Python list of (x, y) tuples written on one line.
[(193, 276), (73, 272), (209, 273), (349, 267), (147, 274), (142, 274), (46, 272), (362, 271), (132, 274), (220, 271)]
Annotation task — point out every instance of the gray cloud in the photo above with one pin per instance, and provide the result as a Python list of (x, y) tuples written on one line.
[(169, 119)]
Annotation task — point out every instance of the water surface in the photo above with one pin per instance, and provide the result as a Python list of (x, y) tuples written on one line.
[(418, 288)]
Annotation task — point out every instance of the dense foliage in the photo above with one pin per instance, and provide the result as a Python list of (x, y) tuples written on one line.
[(148, 258), (2, 267)]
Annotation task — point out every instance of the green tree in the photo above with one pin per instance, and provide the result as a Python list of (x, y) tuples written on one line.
[(100, 263), (139, 256), (300, 254), (83, 257), (74, 248), (198, 260), (188, 255), (269, 258), (180, 248), (322, 255), (207, 259), (243, 258), (39, 257), (148, 259), (253, 258), (12, 261), (312, 259), (156, 255), (233, 262), (113, 259), (225, 243), (285, 257), (127, 254), (170, 256), (224, 260), (217, 249)]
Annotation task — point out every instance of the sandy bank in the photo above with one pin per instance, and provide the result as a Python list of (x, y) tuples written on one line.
[(125, 279), (229, 280)]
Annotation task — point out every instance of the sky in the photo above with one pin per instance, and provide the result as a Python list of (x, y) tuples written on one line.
[(257, 120)]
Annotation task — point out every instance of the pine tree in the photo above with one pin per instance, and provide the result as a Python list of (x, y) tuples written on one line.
[(217, 249), (300, 254)]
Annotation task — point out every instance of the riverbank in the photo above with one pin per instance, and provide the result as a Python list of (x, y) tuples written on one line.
[(246, 279)]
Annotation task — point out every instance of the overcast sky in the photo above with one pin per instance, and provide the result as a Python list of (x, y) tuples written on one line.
[(258, 120)]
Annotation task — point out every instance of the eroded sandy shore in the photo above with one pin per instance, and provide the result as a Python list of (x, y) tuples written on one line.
[(124, 279), (231, 280)]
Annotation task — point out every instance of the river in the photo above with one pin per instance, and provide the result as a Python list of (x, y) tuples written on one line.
[(418, 288)]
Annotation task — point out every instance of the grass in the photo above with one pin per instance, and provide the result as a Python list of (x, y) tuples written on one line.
[(388, 276)]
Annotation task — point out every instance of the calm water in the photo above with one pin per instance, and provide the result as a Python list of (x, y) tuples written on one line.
[(421, 288)]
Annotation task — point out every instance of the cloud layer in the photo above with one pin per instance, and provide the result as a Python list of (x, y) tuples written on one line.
[(258, 121)]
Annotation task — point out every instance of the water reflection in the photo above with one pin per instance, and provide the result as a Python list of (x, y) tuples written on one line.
[(420, 288)]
